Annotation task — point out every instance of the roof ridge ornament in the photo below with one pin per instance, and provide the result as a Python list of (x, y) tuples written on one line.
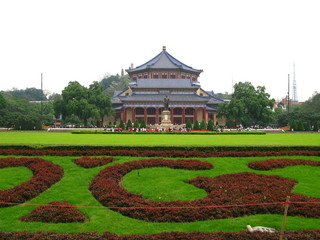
[(164, 48)]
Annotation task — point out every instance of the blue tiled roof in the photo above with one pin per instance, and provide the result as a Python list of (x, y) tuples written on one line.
[(160, 97), (164, 61), (163, 83)]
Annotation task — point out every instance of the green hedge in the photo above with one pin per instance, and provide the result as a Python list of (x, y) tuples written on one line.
[(153, 132)]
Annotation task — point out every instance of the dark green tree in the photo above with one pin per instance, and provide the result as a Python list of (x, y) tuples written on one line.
[(316, 126), (136, 124), (189, 124), (121, 125), (196, 125), (203, 125), (300, 126), (293, 125), (143, 124), (85, 103), (2, 102), (248, 106), (210, 126), (129, 124), (307, 126)]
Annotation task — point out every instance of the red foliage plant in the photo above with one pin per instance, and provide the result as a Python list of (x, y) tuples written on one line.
[(55, 212), (243, 235), (256, 191), (281, 163), (87, 162), (154, 153), (45, 174)]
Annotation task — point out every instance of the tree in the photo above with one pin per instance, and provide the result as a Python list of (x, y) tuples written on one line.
[(196, 125), (300, 126), (121, 125), (203, 125), (129, 124), (189, 124), (143, 124), (136, 124), (316, 126), (307, 126), (293, 125), (210, 125), (85, 103), (2, 102), (248, 106)]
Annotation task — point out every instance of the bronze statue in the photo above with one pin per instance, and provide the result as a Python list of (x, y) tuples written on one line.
[(166, 101)]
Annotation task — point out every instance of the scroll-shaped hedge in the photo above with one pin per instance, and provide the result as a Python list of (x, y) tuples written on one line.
[(45, 174), (87, 162), (254, 192), (281, 163)]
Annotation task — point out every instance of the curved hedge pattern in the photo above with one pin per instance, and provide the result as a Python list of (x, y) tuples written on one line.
[(228, 189), (45, 174), (281, 163), (87, 162)]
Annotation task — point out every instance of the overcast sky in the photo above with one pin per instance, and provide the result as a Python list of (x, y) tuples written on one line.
[(231, 40)]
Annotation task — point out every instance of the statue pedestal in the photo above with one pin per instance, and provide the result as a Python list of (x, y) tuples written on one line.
[(166, 120)]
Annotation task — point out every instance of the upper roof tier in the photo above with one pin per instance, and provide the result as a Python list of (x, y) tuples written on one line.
[(164, 61)]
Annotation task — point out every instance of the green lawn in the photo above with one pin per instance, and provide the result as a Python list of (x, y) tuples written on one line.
[(157, 184), (300, 139)]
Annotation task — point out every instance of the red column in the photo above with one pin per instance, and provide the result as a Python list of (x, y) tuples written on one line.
[(145, 114), (183, 115), (195, 114), (204, 115), (125, 114), (171, 110), (157, 115), (133, 114)]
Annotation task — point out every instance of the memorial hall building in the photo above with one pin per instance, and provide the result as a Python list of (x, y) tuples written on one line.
[(165, 76)]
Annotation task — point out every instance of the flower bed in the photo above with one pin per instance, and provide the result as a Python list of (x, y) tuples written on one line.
[(45, 174), (58, 212), (230, 189), (87, 162), (243, 235), (281, 163), (154, 153)]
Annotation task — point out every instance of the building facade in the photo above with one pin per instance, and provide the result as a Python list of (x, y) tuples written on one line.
[(164, 76)]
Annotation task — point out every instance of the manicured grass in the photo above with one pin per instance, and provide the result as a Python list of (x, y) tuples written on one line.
[(299, 139), (157, 184), (13, 176)]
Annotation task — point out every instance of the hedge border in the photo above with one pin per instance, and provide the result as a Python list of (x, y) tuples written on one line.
[(161, 148)]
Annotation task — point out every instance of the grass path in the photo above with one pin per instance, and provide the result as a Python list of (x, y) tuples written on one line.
[(300, 139)]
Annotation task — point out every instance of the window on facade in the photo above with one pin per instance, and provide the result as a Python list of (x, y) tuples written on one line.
[(183, 76), (155, 76), (193, 79), (145, 75), (164, 76), (139, 76), (134, 78), (172, 76)]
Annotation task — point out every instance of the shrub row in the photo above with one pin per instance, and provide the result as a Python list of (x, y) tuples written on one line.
[(59, 212), (204, 132), (228, 189), (163, 148), (154, 153), (45, 174), (281, 163), (87, 162), (243, 235)]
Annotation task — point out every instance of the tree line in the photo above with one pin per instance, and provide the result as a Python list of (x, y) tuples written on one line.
[(247, 106)]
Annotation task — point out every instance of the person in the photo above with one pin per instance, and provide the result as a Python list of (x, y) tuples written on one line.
[(166, 103)]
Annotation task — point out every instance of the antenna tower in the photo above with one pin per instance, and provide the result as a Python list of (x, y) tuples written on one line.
[(295, 95)]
